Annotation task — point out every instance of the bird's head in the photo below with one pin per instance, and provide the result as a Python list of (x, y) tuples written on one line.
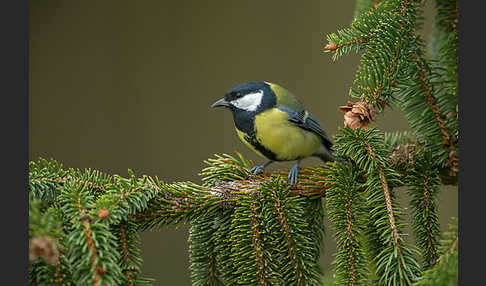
[(253, 97)]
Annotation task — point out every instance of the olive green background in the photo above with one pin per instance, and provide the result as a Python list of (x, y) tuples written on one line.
[(128, 84)]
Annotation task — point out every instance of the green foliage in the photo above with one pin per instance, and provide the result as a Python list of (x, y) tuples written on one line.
[(128, 245), (292, 233), (180, 202), (50, 265), (81, 227), (92, 246), (44, 274), (395, 264), (364, 6), (243, 232), (264, 236), (223, 245), (45, 179), (396, 138), (445, 272), (202, 256), (395, 71), (442, 50), (424, 185), (382, 33), (44, 220), (225, 168), (346, 206)]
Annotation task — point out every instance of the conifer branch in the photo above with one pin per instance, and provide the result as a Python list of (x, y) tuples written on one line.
[(44, 178), (89, 237), (46, 244), (201, 252), (41, 273), (180, 202), (444, 48), (284, 226), (58, 275), (125, 196), (386, 193), (346, 209), (431, 101), (367, 149), (335, 46), (99, 271), (124, 242), (382, 66), (424, 184), (186, 201), (363, 6), (248, 243), (88, 234), (447, 14), (422, 100), (223, 245), (315, 220), (125, 254), (130, 253), (291, 235), (445, 271), (257, 245), (398, 248)]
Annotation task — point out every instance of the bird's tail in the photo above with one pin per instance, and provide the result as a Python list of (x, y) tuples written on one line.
[(325, 155)]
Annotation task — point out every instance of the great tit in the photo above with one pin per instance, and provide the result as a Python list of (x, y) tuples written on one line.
[(273, 122)]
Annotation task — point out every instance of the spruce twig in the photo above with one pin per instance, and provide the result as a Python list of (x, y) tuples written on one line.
[(347, 211)]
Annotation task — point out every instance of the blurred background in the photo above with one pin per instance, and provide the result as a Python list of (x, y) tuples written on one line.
[(128, 84)]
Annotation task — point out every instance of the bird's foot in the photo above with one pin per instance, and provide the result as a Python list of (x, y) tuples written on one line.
[(257, 169), (293, 173)]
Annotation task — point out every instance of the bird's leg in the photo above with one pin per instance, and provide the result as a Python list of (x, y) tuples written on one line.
[(294, 171), (258, 169)]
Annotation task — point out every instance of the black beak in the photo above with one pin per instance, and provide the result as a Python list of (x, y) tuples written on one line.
[(221, 102)]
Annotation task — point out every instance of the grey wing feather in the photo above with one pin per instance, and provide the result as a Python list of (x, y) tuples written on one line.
[(306, 121)]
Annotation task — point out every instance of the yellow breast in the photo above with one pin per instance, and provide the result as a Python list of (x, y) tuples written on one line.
[(287, 141)]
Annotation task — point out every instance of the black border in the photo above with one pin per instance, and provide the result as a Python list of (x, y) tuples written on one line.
[(470, 98), (14, 23)]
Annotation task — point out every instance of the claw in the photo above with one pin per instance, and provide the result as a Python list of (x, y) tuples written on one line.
[(259, 169), (293, 173)]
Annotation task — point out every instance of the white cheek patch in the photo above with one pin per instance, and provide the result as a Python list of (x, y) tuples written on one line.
[(249, 102)]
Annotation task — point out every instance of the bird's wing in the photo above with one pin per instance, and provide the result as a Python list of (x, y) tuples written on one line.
[(306, 121)]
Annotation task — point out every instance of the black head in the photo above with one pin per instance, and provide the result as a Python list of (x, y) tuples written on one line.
[(251, 97)]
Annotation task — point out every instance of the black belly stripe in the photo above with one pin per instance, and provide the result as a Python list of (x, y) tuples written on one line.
[(255, 143)]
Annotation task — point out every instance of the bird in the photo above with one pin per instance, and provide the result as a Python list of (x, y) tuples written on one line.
[(271, 121)]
